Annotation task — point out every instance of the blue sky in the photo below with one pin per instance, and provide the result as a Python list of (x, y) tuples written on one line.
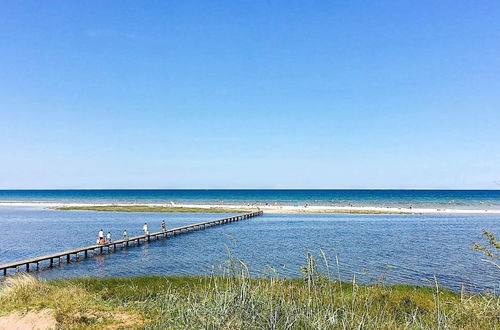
[(250, 94)]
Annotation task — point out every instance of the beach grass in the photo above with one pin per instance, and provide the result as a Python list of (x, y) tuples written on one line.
[(151, 208), (191, 209), (232, 299), (240, 302)]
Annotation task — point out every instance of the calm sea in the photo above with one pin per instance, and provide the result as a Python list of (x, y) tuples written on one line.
[(460, 199), (390, 248)]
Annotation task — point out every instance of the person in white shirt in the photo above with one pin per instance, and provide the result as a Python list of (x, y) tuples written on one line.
[(145, 228), (108, 237), (125, 234), (100, 237)]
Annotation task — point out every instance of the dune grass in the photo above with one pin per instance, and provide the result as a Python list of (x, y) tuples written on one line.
[(150, 208), (236, 301)]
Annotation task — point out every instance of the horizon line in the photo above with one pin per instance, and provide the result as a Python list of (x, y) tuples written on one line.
[(75, 189)]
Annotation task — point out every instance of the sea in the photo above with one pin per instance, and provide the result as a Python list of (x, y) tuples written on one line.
[(372, 248), (459, 199)]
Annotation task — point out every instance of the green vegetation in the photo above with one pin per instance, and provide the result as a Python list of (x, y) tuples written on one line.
[(157, 208), (235, 301), (150, 208), (491, 256)]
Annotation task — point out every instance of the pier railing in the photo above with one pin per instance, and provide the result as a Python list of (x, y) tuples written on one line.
[(93, 250)]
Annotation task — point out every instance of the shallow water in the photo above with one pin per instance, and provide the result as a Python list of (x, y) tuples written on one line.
[(396, 248)]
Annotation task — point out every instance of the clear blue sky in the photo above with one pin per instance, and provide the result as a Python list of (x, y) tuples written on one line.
[(250, 94)]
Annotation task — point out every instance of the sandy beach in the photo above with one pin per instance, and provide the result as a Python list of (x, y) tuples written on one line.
[(276, 209)]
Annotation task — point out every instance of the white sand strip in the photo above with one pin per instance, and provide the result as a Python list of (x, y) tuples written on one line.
[(275, 209)]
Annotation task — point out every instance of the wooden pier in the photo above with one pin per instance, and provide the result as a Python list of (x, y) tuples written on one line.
[(93, 250)]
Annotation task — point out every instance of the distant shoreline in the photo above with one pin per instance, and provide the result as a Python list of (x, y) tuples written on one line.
[(273, 209)]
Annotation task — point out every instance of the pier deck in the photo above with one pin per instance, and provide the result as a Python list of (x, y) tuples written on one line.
[(89, 251)]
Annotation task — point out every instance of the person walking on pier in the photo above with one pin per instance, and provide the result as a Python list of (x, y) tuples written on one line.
[(163, 226), (145, 228), (125, 234), (108, 237), (100, 237)]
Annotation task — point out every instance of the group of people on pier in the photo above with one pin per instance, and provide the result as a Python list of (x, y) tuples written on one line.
[(102, 239)]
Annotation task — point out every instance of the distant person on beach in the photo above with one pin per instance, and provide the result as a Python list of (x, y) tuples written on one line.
[(108, 237), (125, 234), (145, 228), (163, 226)]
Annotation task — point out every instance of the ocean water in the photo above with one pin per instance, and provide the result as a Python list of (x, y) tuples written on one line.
[(456, 199), (390, 248)]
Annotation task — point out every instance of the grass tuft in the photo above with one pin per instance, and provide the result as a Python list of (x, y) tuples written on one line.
[(236, 301)]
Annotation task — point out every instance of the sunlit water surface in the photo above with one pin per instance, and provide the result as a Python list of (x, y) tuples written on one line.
[(391, 248)]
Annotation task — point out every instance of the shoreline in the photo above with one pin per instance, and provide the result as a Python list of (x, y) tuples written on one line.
[(271, 209)]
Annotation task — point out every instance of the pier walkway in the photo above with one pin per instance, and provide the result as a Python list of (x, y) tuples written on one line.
[(89, 251)]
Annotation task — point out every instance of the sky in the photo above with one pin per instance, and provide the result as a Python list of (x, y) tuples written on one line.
[(250, 94)]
